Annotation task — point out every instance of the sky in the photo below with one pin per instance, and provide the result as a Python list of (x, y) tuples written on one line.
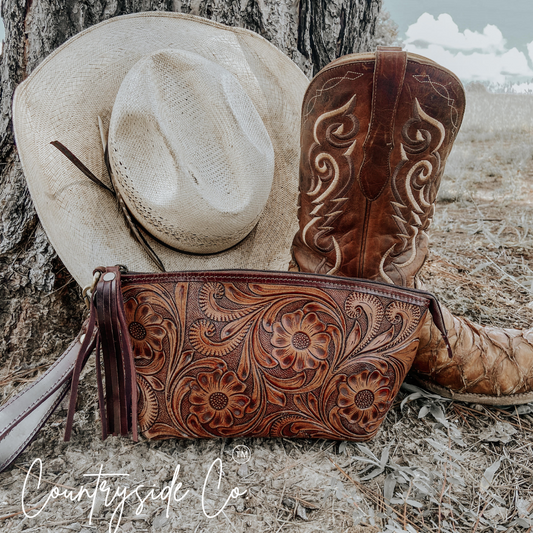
[(479, 40)]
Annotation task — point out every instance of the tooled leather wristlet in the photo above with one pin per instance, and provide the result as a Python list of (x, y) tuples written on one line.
[(232, 353)]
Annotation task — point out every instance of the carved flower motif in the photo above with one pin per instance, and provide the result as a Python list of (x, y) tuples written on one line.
[(365, 398), (216, 398), (300, 341), (146, 329)]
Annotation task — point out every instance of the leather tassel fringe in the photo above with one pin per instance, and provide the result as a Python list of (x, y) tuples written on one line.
[(107, 324)]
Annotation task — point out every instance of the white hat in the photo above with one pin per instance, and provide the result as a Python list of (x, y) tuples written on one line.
[(203, 139)]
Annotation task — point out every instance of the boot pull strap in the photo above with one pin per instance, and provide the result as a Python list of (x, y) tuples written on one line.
[(389, 74)]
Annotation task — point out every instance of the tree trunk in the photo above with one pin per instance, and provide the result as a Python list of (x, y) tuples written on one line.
[(40, 304)]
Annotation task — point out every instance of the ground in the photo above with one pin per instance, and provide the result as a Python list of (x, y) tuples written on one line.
[(435, 465)]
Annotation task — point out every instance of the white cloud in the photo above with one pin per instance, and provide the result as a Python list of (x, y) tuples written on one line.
[(443, 31), (471, 55), (523, 88)]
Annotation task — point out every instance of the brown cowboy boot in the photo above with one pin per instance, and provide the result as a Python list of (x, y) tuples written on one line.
[(376, 132)]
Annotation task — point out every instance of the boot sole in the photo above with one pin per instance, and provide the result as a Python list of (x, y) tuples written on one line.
[(485, 399)]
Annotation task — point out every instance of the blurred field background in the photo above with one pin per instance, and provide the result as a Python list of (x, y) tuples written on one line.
[(482, 236)]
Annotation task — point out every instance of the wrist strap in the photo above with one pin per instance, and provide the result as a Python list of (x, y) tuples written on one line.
[(24, 415)]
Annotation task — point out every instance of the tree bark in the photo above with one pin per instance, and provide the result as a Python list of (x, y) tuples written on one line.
[(40, 304)]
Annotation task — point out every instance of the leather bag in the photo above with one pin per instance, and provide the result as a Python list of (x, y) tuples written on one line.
[(232, 354)]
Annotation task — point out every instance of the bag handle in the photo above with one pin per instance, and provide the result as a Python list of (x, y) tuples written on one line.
[(25, 414)]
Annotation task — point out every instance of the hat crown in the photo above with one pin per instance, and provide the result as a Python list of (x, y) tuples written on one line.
[(190, 154)]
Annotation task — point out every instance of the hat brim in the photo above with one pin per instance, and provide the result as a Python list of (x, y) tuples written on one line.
[(65, 95)]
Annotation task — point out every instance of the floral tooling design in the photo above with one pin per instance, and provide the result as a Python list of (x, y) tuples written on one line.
[(365, 398), (146, 330), (226, 357), (300, 341), (217, 398)]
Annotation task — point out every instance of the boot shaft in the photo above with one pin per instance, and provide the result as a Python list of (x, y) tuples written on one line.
[(376, 132)]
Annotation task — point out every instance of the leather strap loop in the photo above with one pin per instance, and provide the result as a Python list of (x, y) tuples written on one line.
[(87, 347)]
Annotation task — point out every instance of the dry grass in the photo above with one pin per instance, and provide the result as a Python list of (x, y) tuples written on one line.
[(482, 233), (436, 465)]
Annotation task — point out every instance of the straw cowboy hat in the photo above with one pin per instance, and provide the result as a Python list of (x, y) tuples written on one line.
[(200, 126)]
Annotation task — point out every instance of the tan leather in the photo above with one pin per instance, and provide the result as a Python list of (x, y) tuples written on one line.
[(266, 354), (376, 133), (24, 414), (353, 228), (490, 365)]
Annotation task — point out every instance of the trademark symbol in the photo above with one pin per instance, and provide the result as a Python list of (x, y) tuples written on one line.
[(241, 454)]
